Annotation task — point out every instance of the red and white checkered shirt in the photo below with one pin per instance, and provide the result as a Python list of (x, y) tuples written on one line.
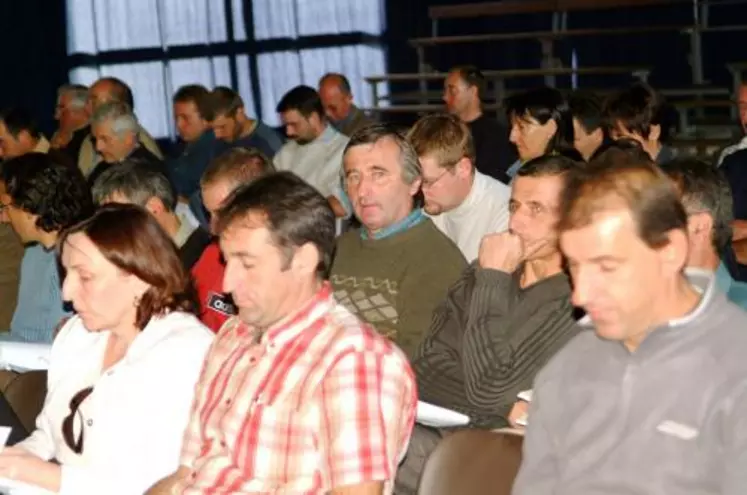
[(319, 401)]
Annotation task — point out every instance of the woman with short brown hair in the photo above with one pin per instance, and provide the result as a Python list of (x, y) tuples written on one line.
[(123, 369)]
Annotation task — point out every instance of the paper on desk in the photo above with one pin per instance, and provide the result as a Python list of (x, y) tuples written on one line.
[(24, 356), (439, 417), (13, 487)]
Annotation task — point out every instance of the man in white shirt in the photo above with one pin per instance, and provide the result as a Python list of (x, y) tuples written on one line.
[(463, 203), (314, 151)]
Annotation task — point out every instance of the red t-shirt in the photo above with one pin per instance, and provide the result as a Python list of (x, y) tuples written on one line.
[(215, 306)]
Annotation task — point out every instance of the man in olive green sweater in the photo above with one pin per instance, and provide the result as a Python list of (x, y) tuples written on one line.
[(395, 270), (502, 321)]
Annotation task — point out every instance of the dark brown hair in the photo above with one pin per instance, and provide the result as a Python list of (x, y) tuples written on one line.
[(618, 180), (129, 237)]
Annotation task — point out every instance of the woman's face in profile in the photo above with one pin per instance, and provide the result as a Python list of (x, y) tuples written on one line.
[(103, 296)]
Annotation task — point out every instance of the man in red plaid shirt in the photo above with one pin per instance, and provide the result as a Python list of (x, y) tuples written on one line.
[(296, 395)]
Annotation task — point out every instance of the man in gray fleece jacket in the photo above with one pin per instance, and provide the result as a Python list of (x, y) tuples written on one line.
[(652, 397), (501, 321)]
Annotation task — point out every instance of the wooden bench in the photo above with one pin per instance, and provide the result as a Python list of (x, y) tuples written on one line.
[(560, 10), (498, 77)]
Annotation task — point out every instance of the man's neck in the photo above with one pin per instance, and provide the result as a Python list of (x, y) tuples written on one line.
[(171, 224), (48, 239), (540, 269), (247, 128), (471, 114), (705, 259), (653, 149), (293, 303), (676, 303)]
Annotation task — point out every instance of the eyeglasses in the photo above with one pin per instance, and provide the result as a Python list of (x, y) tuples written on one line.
[(68, 433), (432, 182)]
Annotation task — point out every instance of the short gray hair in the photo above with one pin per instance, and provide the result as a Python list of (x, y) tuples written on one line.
[(138, 182), (372, 134), (119, 115), (78, 94)]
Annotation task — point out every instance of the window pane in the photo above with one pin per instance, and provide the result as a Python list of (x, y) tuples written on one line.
[(274, 19), (123, 25), (239, 30), (80, 33), (221, 72), (356, 62), (243, 73), (84, 75), (278, 73), (340, 16), (152, 105), (189, 22)]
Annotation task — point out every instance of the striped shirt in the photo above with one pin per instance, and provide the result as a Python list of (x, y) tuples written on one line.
[(316, 402)]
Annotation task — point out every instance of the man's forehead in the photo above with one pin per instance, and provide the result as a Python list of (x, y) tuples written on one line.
[(542, 189), (608, 229), (384, 153)]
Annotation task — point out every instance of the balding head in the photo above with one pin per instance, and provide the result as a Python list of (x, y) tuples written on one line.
[(107, 90), (336, 96)]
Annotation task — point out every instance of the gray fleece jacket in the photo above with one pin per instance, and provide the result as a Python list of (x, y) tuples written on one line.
[(669, 418)]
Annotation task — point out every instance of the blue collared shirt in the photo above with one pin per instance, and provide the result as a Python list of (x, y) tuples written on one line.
[(415, 217)]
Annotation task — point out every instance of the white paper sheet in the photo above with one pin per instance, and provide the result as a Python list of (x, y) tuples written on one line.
[(24, 356), (439, 417)]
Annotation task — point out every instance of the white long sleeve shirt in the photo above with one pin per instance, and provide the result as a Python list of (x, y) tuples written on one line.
[(484, 211), (319, 162), (134, 420)]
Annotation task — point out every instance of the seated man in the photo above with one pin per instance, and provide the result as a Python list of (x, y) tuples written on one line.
[(109, 90), (19, 134), (231, 169), (707, 200), (42, 198), (638, 113), (398, 266), (232, 126), (337, 99), (193, 113), (504, 319), (463, 203), (650, 396), (314, 151), (275, 406), (133, 183), (588, 129), (72, 115), (116, 131), (464, 89)]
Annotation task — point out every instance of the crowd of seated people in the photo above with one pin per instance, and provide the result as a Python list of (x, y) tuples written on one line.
[(212, 330)]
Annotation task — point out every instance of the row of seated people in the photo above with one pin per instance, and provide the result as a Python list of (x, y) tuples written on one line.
[(98, 129), (270, 411), (385, 179)]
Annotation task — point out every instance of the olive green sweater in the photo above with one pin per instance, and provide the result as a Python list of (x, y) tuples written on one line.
[(395, 283)]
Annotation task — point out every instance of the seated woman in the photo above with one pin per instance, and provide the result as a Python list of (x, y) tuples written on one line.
[(541, 124), (123, 371), (41, 196)]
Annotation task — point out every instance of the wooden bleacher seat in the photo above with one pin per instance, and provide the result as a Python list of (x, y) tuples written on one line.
[(546, 35), (473, 462), (508, 7)]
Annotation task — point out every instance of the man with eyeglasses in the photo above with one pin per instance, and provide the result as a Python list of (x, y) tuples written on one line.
[(502, 321), (395, 269), (463, 203)]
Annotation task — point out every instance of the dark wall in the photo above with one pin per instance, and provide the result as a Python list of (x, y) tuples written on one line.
[(32, 34), (666, 52)]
